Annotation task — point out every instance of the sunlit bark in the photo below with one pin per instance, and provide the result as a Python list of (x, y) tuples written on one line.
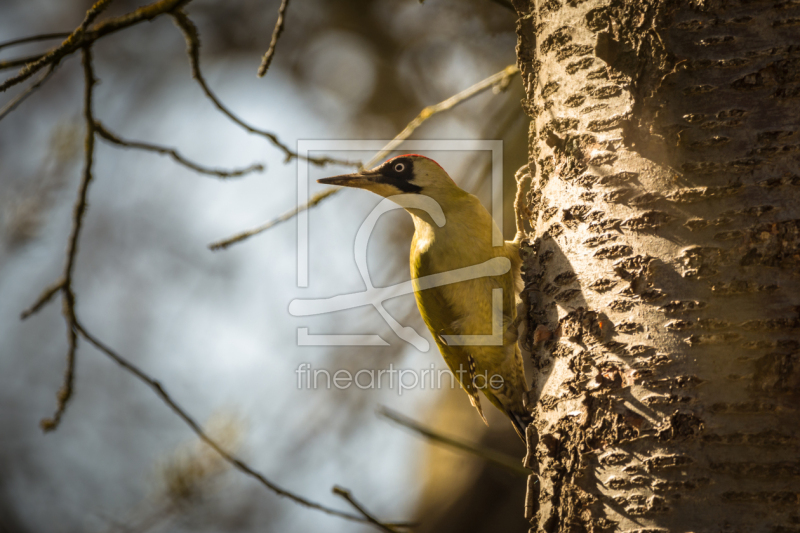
[(662, 275)]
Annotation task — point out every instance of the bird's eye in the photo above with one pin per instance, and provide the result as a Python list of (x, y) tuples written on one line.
[(399, 167)]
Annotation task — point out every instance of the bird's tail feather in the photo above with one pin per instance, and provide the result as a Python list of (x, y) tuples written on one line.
[(475, 400)]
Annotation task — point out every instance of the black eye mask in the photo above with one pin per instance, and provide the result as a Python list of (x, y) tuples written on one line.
[(398, 173)]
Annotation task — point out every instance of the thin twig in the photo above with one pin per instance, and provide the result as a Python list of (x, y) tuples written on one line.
[(65, 393), (276, 33), (500, 79), (83, 35), (12, 105), (115, 139), (81, 39), (202, 435), (34, 38), (344, 493), (47, 294), (54, 56), (19, 62), (492, 456), (192, 37), (316, 199), (93, 13)]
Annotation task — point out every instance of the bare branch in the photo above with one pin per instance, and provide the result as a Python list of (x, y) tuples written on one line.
[(276, 33), (143, 14), (65, 393), (115, 139), (192, 37), (82, 39), (34, 38), (13, 63), (45, 297), (499, 80), (316, 199), (80, 204), (344, 493), (12, 105), (83, 36), (54, 56), (195, 427), (93, 13), (503, 460)]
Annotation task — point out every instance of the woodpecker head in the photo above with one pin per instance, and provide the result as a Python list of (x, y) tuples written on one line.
[(403, 174)]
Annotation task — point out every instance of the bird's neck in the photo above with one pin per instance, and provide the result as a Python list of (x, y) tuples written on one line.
[(424, 228), (465, 217), (424, 225)]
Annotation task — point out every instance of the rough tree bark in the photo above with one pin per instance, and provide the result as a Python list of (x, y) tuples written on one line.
[(663, 272)]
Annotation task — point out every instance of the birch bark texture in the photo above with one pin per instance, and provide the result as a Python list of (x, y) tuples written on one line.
[(663, 268)]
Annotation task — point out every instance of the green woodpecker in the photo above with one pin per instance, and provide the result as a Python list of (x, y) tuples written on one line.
[(465, 307)]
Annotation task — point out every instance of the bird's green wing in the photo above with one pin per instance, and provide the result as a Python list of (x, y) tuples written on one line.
[(439, 316)]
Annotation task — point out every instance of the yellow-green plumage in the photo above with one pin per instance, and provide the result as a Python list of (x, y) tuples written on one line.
[(463, 308)]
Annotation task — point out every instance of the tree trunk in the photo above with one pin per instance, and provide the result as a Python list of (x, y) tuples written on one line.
[(663, 271)]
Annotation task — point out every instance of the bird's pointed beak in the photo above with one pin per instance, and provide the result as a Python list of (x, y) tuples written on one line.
[(357, 179)]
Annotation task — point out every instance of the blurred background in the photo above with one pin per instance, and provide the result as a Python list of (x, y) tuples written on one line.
[(213, 327)]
